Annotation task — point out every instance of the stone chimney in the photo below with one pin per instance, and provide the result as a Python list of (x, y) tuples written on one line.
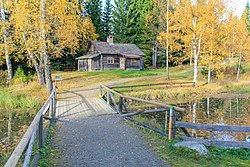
[(110, 39)]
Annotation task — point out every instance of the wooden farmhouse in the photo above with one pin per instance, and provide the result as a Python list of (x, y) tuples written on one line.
[(109, 55)]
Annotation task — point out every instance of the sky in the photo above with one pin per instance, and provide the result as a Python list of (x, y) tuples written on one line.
[(240, 7)]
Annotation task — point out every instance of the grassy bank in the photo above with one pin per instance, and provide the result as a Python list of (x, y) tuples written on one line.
[(49, 154), (16, 113), (182, 156), (80, 79)]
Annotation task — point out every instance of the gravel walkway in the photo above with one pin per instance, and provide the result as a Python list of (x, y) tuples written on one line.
[(103, 141), (98, 141)]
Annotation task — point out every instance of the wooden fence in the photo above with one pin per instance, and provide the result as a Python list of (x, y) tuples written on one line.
[(35, 130), (171, 121), (151, 86)]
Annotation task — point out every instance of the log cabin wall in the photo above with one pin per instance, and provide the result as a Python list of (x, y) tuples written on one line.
[(133, 63), (108, 64), (95, 63), (83, 65)]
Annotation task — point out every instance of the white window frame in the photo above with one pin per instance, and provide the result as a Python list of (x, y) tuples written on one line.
[(110, 60)]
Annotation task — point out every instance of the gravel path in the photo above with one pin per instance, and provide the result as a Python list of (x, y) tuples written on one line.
[(103, 141)]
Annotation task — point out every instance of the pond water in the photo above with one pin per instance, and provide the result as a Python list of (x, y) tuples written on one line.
[(223, 111), (13, 125)]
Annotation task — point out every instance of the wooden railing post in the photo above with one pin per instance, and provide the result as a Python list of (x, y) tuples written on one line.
[(101, 91), (108, 97), (166, 122), (51, 107), (54, 106), (40, 133), (120, 104), (172, 120)]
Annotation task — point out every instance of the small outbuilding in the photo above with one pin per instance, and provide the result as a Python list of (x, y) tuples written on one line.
[(108, 55)]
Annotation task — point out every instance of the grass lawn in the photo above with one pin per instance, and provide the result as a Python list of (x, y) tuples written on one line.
[(181, 156)]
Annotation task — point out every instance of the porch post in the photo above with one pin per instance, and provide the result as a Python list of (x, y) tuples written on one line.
[(101, 62)]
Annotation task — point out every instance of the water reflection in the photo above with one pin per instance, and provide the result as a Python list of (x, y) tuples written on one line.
[(12, 126), (225, 111)]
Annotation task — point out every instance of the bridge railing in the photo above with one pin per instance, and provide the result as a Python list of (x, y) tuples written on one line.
[(171, 120), (35, 131)]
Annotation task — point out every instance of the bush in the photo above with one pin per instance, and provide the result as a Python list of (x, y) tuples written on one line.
[(21, 77), (3, 76)]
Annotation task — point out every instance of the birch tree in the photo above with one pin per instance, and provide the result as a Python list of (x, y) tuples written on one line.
[(243, 41), (27, 32), (5, 26)]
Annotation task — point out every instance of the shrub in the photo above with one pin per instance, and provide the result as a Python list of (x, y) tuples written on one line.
[(21, 77), (3, 76)]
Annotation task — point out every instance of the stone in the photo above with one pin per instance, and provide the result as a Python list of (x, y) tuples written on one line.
[(200, 148)]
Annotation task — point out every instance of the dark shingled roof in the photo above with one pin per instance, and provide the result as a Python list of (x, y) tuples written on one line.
[(88, 56), (113, 48)]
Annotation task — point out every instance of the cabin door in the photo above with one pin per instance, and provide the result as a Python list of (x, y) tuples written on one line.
[(122, 63)]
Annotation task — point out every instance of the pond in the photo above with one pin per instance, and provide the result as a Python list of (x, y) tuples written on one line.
[(13, 125), (16, 113), (221, 111)]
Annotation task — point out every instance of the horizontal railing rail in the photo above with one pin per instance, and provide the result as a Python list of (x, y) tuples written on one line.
[(109, 91), (35, 130), (210, 127), (171, 120), (157, 84)]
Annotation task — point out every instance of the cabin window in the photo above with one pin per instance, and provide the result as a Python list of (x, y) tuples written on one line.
[(134, 62), (110, 60)]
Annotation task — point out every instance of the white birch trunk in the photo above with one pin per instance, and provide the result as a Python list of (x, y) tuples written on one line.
[(195, 52), (194, 119), (239, 63), (38, 68), (208, 107), (156, 50), (167, 43), (195, 60), (6, 44), (45, 55), (153, 57)]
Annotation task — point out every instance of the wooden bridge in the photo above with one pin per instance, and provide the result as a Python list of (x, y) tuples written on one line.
[(73, 106)]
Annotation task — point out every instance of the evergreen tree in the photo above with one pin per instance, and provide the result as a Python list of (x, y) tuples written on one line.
[(129, 23), (119, 22), (94, 10), (107, 16), (248, 15)]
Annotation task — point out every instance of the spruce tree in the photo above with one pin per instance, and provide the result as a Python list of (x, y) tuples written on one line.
[(248, 15), (119, 22), (94, 10), (107, 16)]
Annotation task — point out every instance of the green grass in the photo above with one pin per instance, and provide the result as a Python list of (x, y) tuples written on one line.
[(9, 100), (182, 156), (48, 154)]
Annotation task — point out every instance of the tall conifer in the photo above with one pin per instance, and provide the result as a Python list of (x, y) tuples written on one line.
[(107, 16), (94, 10)]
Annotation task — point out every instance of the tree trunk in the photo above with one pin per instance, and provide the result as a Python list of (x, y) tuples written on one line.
[(208, 107), (153, 57), (44, 54), (155, 65), (39, 69), (194, 118), (6, 44), (239, 63), (167, 43), (195, 60), (208, 74)]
